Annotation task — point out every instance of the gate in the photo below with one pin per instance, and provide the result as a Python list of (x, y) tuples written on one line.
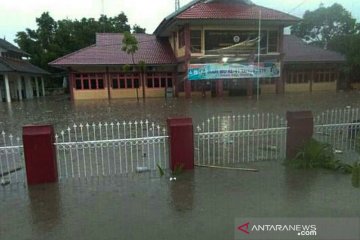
[(230, 140), (341, 129), (106, 149), (12, 164)]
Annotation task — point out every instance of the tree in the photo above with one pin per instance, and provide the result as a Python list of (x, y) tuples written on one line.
[(130, 45), (349, 45), (323, 24), (53, 39), (137, 29)]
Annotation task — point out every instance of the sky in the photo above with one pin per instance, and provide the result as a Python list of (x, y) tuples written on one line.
[(17, 15)]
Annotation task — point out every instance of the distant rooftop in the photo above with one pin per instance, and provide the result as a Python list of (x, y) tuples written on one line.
[(107, 51), (296, 50), (12, 48)]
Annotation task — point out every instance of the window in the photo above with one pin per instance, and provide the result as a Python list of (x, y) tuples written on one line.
[(326, 75), (181, 38), (297, 77), (89, 81), (195, 41), (159, 80), (229, 42), (273, 41), (124, 81)]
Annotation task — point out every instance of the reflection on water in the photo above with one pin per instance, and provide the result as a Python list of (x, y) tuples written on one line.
[(61, 112), (182, 192), (45, 207)]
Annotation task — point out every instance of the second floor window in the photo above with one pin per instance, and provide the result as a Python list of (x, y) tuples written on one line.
[(195, 41)]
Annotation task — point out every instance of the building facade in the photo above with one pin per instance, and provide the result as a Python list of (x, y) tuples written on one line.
[(206, 48), (18, 78)]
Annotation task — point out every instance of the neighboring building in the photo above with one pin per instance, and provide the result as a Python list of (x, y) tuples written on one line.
[(207, 47), (19, 79), (310, 68)]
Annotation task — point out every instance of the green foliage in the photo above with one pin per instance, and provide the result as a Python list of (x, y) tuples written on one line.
[(178, 169), (130, 45), (161, 170), (137, 29), (53, 39), (313, 155), (323, 24)]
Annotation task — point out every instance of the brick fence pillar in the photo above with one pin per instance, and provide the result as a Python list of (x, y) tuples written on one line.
[(40, 154), (300, 130), (181, 143)]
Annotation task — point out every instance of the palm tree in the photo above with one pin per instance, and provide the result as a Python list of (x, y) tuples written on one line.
[(130, 46)]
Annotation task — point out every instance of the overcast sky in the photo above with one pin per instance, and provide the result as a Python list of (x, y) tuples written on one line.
[(17, 15)]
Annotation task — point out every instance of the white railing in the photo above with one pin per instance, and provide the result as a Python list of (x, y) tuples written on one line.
[(12, 165), (225, 140), (106, 149), (341, 129)]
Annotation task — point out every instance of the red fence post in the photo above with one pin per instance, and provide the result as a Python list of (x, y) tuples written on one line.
[(181, 143), (300, 130), (40, 154)]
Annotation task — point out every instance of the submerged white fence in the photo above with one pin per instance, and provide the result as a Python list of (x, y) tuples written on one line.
[(226, 140), (105, 149), (12, 165), (341, 129)]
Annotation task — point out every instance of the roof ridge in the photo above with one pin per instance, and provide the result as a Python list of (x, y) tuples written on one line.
[(313, 46), (70, 54), (277, 11)]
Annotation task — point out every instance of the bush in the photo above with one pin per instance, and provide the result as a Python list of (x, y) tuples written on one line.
[(313, 154)]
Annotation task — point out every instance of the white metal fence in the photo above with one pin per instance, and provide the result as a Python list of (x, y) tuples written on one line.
[(227, 140), (12, 165), (341, 129), (105, 149)]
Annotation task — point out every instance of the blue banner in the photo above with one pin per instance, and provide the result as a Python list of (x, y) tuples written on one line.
[(233, 71)]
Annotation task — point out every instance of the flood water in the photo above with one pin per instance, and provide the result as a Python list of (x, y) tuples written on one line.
[(202, 204), (62, 113)]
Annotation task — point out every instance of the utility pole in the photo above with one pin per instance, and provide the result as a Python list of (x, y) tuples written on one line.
[(177, 5)]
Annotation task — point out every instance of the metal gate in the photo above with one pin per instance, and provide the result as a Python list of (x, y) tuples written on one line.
[(12, 164), (105, 149), (229, 140), (341, 129)]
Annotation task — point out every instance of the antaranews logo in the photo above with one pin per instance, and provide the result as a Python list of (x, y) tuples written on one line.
[(296, 228), (300, 230)]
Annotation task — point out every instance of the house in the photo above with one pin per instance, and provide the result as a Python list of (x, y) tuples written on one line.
[(206, 48), (19, 79), (310, 68)]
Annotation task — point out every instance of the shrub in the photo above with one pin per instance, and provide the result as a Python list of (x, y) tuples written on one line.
[(313, 154)]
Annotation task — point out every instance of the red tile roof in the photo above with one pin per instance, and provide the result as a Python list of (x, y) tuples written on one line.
[(296, 50), (107, 51), (237, 11)]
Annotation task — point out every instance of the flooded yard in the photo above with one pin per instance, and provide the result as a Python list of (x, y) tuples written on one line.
[(200, 204), (63, 113)]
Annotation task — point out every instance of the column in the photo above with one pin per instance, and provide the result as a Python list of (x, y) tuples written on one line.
[(249, 87), (1, 97), (37, 87), (40, 154), (19, 87), (181, 139), (43, 86), (29, 88), (7, 88), (300, 130), (219, 88)]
